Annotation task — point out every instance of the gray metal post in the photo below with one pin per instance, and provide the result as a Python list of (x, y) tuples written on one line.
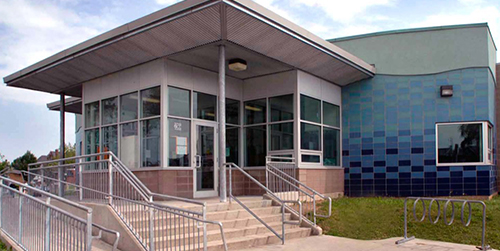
[(88, 237), (20, 236), (47, 230), (61, 154), (222, 121), (1, 204)]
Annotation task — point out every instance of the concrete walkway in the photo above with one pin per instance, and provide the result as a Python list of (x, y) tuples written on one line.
[(329, 243)]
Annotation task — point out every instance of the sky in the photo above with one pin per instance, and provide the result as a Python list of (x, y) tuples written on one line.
[(31, 30)]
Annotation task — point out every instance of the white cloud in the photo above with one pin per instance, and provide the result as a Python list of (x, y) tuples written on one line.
[(343, 11), (34, 30), (166, 2), (471, 2)]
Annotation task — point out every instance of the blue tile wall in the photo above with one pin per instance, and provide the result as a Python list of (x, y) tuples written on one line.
[(388, 136)]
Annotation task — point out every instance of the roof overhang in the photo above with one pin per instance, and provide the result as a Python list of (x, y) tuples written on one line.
[(71, 105), (184, 26)]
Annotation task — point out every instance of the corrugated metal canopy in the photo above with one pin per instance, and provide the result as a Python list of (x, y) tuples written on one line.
[(184, 26)]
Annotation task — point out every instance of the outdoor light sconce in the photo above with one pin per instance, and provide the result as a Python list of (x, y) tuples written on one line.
[(446, 90), (237, 64)]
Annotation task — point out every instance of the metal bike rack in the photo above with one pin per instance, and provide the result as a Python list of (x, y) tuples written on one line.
[(448, 221)]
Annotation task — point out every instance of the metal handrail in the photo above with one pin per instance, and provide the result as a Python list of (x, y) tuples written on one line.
[(152, 205), (465, 222), (47, 227), (63, 200), (101, 229), (230, 166), (106, 194), (111, 157), (314, 192)]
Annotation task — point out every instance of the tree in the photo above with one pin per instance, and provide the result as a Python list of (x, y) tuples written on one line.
[(69, 151), (4, 163), (22, 162)]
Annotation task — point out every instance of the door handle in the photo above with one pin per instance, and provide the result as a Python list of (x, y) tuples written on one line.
[(197, 159)]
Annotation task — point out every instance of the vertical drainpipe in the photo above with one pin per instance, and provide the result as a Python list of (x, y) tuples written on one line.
[(61, 154), (222, 121)]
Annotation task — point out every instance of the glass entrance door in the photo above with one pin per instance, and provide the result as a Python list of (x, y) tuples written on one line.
[(205, 160)]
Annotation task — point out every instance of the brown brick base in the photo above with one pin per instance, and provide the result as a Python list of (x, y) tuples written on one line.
[(325, 181)]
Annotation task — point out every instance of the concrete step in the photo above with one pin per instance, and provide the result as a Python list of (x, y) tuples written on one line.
[(242, 213), (213, 216), (227, 224), (214, 235), (213, 207), (248, 241)]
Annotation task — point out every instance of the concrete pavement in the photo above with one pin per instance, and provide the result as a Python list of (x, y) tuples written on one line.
[(329, 243)]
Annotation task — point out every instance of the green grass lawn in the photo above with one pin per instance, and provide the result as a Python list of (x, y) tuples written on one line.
[(381, 218)]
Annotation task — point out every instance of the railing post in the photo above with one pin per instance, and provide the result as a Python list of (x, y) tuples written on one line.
[(110, 170), (205, 237), (20, 218), (283, 223), (230, 183), (1, 204), (79, 178), (151, 229), (47, 230), (88, 241)]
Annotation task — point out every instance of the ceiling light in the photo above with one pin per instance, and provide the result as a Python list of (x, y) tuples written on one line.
[(237, 64)]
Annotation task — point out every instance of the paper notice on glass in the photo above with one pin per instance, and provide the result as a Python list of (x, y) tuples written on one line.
[(181, 150), (181, 146), (181, 141)]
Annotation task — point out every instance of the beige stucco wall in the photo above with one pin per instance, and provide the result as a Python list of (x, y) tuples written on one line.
[(424, 52)]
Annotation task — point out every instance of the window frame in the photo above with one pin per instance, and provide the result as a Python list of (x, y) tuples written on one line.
[(486, 128), (139, 120), (322, 126)]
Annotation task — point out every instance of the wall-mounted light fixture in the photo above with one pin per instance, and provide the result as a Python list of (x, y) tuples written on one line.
[(237, 64), (446, 90)]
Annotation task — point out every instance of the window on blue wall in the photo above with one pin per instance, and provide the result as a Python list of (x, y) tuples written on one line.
[(464, 143)]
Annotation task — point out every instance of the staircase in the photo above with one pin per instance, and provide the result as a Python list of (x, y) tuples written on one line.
[(241, 229)]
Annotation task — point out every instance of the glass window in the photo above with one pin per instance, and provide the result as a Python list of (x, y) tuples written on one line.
[(109, 111), (255, 111), (204, 106), (110, 139), (128, 107), (92, 114), (150, 102), (255, 149), (232, 144), (92, 141), (281, 136), (310, 137), (490, 143), (331, 147), (179, 136), (310, 109), (129, 145), (460, 143), (92, 146), (150, 148), (232, 111), (178, 102), (331, 114), (310, 158), (281, 108)]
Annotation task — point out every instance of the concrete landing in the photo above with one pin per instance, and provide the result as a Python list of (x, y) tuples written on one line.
[(329, 243)]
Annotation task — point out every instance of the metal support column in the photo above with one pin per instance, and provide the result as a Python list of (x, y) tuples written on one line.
[(222, 121), (60, 175)]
